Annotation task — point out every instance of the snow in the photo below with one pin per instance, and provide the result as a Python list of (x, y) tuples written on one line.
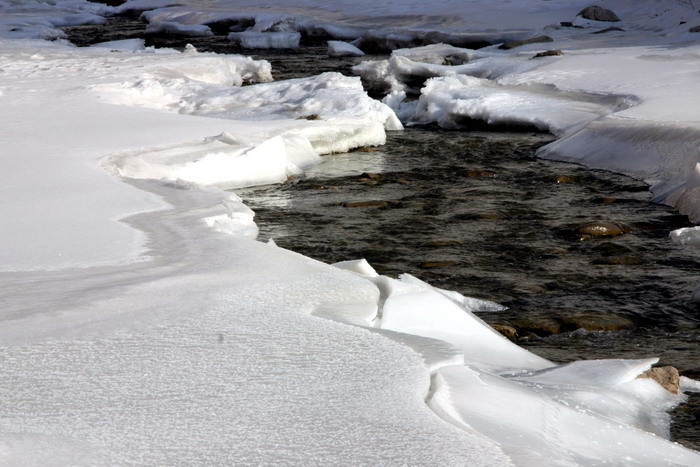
[(343, 49), (142, 324), (266, 40), (178, 29), (686, 236)]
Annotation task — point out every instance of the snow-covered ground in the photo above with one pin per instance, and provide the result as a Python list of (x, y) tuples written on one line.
[(142, 324)]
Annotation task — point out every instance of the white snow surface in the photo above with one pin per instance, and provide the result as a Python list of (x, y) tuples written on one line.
[(142, 324), (343, 49)]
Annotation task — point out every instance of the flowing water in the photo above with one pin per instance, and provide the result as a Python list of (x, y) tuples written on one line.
[(477, 212)]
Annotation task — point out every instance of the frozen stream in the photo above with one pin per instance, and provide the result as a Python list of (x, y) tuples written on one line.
[(477, 213)]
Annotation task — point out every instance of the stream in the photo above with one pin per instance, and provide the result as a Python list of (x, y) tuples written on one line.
[(478, 213)]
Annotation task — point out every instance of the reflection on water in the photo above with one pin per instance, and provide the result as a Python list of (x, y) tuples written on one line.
[(477, 213)]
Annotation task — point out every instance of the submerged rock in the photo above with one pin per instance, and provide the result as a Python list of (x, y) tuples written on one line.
[(601, 229), (597, 322), (437, 264), (597, 13), (603, 31), (549, 53), (539, 326), (564, 179), (667, 376), (309, 117), (366, 204), (533, 40), (479, 173), (508, 331)]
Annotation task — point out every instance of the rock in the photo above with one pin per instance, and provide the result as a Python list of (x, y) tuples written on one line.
[(507, 331), (597, 13), (564, 179), (539, 326), (605, 200), (443, 243), (612, 248), (592, 321), (365, 149), (603, 31), (666, 376), (602, 229), (437, 264), (533, 40), (549, 53), (309, 117), (366, 204), (622, 260), (569, 24), (495, 215), (694, 29), (479, 173)]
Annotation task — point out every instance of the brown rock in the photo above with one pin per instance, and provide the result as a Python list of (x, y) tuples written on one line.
[(549, 53), (492, 215), (564, 179), (597, 13), (365, 149), (479, 173), (666, 376), (508, 331), (602, 229), (597, 321), (309, 117), (603, 31), (539, 326), (437, 264), (694, 29), (533, 40), (443, 243), (366, 204)]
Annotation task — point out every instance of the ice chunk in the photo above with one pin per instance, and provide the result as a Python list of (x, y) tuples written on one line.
[(413, 307), (686, 236), (266, 40), (358, 266), (343, 49), (178, 29), (222, 161), (454, 100), (125, 45), (507, 411)]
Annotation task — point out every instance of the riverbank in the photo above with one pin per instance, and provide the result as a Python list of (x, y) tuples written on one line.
[(212, 327)]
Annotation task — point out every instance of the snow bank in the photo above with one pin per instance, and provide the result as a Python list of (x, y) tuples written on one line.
[(621, 109), (489, 386), (141, 319), (319, 115)]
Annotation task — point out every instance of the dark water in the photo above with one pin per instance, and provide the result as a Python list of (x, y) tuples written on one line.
[(476, 212)]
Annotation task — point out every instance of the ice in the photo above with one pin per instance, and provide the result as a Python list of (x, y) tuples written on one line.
[(178, 29), (266, 40), (476, 400), (343, 49), (142, 324), (125, 45), (686, 236)]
